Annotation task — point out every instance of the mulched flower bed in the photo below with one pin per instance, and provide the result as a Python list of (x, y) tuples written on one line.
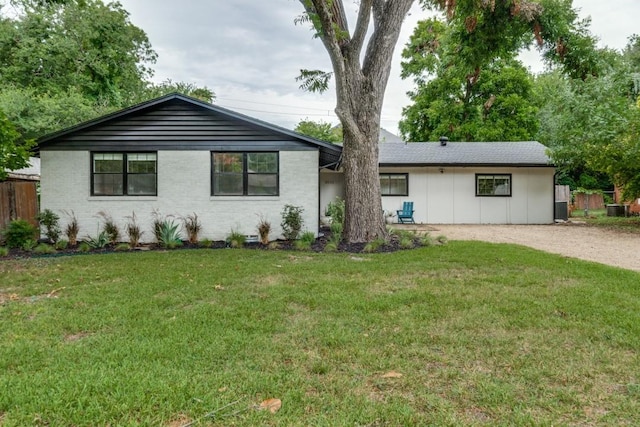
[(392, 245)]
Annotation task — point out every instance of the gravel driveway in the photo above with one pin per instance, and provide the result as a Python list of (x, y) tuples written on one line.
[(609, 247)]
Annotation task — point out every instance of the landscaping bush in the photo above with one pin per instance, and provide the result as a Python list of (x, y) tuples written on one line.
[(264, 228), (169, 234), (236, 239), (133, 230), (50, 221), (19, 232), (292, 221), (72, 229), (193, 227), (110, 227), (44, 249), (306, 240), (335, 210), (98, 242)]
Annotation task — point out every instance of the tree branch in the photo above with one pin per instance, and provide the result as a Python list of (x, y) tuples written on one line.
[(387, 15), (362, 25)]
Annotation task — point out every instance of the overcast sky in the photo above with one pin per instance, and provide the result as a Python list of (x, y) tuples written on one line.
[(249, 52)]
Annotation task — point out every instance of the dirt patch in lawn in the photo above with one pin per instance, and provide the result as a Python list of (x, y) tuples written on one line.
[(606, 246)]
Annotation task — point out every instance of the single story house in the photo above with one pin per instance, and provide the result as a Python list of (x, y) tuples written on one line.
[(462, 182), (175, 155)]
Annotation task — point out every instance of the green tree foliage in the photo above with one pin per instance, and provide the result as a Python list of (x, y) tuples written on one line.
[(319, 130), (35, 114), (14, 153), (80, 44), (468, 84), (592, 125), (168, 86), (66, 61)]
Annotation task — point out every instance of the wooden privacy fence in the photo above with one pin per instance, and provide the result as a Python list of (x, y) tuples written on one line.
[(595, 201), (18, 200)]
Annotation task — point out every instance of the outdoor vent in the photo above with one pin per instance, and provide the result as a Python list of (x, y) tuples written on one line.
[(444, 140)]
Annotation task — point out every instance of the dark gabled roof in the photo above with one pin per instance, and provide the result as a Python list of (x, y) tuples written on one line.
[(329, 153), (526, 153)]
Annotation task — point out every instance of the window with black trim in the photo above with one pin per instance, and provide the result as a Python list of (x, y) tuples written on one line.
[(124, 174), (244, 174), (394, 184), (498, 185)]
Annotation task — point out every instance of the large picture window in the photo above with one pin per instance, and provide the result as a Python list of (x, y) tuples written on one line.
[(394, 184), (124, 174), (244, 174), (493, 185)]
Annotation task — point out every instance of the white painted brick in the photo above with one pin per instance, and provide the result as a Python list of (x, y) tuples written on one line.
[(184, 181)]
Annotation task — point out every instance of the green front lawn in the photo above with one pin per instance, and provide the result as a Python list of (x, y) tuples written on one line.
[(469, 333)]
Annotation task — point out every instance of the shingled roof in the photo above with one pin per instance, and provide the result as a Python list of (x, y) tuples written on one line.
[(526, 153)]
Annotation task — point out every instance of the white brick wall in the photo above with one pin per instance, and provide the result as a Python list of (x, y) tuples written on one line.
[(184, 181)]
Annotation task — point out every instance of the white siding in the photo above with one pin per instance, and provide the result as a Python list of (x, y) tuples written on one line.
[(184, 181), (331, 187), (447, 196)]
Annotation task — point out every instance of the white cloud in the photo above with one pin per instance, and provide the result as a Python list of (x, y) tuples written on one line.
[(249, 52)]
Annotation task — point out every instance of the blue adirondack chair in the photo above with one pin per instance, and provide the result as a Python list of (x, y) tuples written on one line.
[(405, 216)]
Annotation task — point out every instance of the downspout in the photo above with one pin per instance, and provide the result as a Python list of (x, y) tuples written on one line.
[(553, 193)]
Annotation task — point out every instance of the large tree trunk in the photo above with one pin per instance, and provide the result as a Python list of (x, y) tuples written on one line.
[(360, 85), (364, 220)]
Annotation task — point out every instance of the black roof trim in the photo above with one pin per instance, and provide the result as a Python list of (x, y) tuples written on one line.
[(177, 96)]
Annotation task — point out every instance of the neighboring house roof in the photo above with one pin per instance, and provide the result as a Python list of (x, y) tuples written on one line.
[(122, 128), (386, 136), (527, 153), (30, 173)]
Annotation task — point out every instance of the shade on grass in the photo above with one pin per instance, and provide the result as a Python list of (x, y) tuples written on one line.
[(464, 334)]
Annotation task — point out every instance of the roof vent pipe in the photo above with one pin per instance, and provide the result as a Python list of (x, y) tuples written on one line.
[(443, 141)]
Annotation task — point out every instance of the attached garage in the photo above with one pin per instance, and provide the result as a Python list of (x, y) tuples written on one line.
[(464, 182)]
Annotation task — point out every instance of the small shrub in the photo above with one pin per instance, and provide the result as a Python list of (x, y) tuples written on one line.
[(50, 221), (157, 224), (193, 227), (61, 244), (306, 240), (335, 210), (98, 242), (133, 231), (302, 245), (72, 229), (19, 232), (336, 230), (427, 240), (28, 245), (375, 245), (205, 243), (274, 245), (308, 237), (264, 228), (405, 234), (123, 247), (291, 221), (407, 243), (44, 249), (4, 251), (442, 239), (331, 246), (169, 234), (235, 239), (110, 227), (84, 247)]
